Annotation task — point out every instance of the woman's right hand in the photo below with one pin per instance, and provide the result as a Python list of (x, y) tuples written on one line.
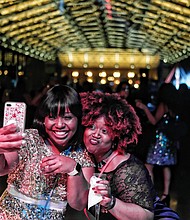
[(10, 139), (57, 164)]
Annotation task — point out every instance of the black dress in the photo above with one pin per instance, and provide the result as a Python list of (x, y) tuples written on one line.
[(131, 183)]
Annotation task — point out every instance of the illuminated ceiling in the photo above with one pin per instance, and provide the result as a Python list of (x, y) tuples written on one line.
[(98, 32)]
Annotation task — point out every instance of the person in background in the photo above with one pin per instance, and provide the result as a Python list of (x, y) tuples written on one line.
[(163, 150), (131, 95), (123, 89), (111, 125), (51, 168)]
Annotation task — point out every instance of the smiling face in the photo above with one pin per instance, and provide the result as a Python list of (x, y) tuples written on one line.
[(61, 129), (97, 139)]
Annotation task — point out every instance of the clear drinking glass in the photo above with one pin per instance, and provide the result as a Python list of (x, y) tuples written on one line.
[(97, 206)]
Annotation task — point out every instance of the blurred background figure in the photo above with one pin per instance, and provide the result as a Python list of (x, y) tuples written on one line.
[(165, 145), (123, 89)]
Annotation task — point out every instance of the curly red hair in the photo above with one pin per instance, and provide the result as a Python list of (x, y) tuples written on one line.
[(120, 117)]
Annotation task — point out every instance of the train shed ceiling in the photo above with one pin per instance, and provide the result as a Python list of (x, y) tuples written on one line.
[(98, 32)]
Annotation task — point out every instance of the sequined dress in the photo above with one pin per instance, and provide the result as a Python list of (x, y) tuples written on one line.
[(28, 189), (163, 150)]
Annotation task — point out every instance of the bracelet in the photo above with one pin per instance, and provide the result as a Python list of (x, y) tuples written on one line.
[(111, 205), (76, 170)]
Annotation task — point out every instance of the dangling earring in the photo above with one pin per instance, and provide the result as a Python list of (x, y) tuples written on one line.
[(115, 143), (114, 146)]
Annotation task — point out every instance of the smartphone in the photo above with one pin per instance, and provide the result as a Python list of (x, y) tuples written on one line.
[(15, 112)]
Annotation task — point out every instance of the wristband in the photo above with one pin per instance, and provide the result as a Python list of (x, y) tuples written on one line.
[(76, 170), (111, 205)]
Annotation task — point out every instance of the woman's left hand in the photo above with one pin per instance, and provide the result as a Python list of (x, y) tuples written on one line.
[(57, 164)]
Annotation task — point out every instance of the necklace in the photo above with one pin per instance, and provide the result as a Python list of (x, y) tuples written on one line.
[(103, 162), (108, 162)]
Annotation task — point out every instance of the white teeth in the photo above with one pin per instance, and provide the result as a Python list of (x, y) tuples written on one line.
[(60, 132)]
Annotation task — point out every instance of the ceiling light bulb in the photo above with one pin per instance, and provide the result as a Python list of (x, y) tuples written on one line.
[(132, 66), (75, 73), (89, 74), (117, 74), (101, 65), (85, 65), (131, 74)]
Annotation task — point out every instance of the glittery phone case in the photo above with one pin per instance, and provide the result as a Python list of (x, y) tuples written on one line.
[(15, 112)]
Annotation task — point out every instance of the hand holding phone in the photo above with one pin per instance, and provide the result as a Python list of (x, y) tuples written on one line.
[(15, 113)]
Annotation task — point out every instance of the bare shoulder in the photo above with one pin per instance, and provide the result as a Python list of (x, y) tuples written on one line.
[(117, 160)]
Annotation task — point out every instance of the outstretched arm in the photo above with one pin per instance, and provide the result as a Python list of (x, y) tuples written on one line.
[(153, 119)]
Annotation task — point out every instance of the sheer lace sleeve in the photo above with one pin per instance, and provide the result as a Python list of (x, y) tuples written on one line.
[(131, 183)]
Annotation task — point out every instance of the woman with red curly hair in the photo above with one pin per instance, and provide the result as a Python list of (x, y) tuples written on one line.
[(111, 125)]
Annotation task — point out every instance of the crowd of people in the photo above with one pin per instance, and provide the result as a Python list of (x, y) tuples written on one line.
[(74, 135)]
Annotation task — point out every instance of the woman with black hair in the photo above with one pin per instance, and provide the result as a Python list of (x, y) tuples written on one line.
[(51, 167)]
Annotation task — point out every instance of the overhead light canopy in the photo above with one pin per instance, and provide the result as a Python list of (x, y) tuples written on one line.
[(46, 29), (109, 58)]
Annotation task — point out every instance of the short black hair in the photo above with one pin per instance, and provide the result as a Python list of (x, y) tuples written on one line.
[(63, 96)]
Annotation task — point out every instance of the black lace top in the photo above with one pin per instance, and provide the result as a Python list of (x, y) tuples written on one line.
[(131, 183)]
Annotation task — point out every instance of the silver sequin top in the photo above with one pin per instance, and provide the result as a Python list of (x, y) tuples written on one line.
[(27, 178)]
